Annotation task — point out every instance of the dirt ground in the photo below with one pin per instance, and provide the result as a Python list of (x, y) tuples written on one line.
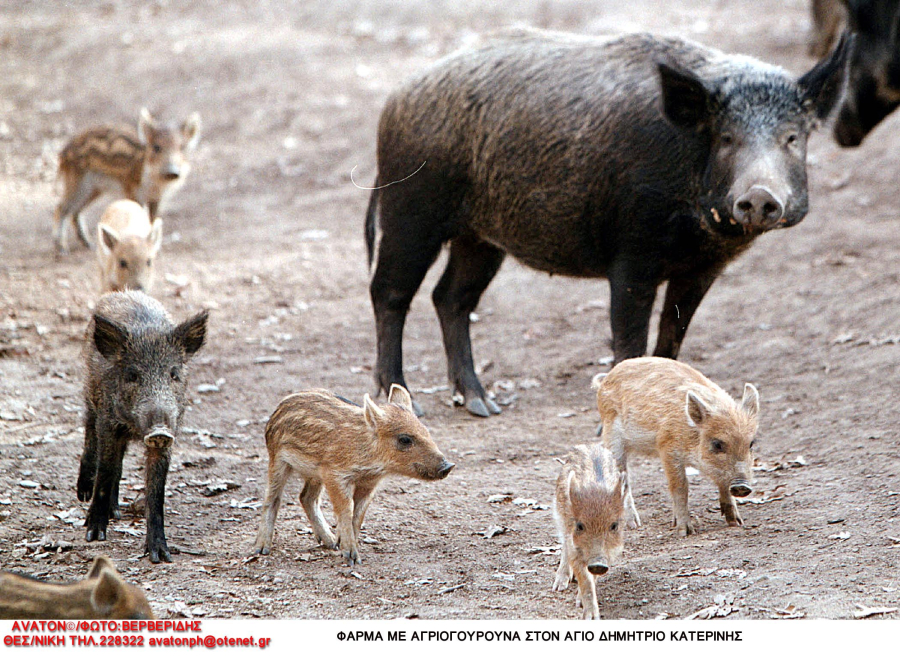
[(267, 233)]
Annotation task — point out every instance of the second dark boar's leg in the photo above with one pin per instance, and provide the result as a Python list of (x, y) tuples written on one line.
[(632, 293), (471, 267), (683, 296), (87, 472), (157, 468)]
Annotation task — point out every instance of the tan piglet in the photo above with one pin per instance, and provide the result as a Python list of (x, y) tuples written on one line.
[(127, 246), (660, 407)]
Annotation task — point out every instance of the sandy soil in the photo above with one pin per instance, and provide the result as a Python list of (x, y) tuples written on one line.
[(267, 233)]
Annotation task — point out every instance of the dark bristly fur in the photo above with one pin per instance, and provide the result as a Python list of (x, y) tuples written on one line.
[(135, 390), (639, 159)]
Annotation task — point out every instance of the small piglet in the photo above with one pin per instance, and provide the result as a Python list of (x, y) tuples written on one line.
[(127, 244), (135, 390), (658, 406), (102, 594), (590, 518), (347, 449)]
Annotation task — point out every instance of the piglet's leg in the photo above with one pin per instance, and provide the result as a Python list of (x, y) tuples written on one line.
[(157, 469), (309, 498), (279, 472), (678, 488), (564, 572), (342, 502), (587, 592), (729, 507), (362, 496)]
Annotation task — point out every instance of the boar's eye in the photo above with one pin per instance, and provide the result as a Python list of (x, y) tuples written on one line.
[(614, 527), (792, 139), (726, 139), (123, 264), (752, 443), (132, 375), (175, 374), (579, 527), (716, 445), (404, 441)]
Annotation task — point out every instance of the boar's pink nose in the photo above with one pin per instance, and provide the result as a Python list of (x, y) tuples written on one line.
[(446, 467), (597, 568), (741, 489), (758, 207)]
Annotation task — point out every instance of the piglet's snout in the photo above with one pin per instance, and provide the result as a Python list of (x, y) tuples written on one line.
[(758, 207), (159, 437), (740, 488), (598, 568), (445, 469)]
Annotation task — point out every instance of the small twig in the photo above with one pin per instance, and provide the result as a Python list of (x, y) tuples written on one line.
[(450, 588)]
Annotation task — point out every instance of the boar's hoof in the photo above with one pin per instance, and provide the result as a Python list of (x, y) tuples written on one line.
[(95, 534), (482, 407), (263, 550), (160, 553)]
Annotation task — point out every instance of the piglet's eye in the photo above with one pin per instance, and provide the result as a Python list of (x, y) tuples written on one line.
[(614, 527), (131, 375), (123, 264), (404, 441), (175, 374), (157, 148), (717, 445), (579, 526)]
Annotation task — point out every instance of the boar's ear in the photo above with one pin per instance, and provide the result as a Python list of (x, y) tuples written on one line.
[(109, 337), (191, 333), (371, 412), (696, 409), (685, 99), (146, 126), (822, 87), (156, 236), (750, 401), (108, 591), (400, 396), (107, 239), (100, 564), (190, 130)]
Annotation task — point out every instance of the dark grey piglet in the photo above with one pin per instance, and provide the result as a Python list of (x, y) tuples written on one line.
[(135, 390)]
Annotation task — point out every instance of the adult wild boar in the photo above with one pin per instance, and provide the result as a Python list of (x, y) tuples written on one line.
[(640, 159), (873, 87)]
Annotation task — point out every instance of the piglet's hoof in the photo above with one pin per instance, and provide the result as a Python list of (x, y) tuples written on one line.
[(482, 407)]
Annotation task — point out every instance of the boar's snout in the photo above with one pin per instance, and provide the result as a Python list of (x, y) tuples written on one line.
[(740, 489), (758, 208), (598, 568), (847, 132), (445, 469)]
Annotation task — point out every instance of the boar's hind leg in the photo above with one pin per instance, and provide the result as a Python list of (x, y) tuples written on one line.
[(683, 296), (678, 488), (632, 293), (309, 498), (157, 469), (404, 255), (471, 267)]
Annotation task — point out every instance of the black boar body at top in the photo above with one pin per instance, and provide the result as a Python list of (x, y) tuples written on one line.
[(135, 390), (638, 159), (873, 88)]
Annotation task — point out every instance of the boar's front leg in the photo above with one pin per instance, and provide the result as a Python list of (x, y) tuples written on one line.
[(632, 292), (110, 441), (471, 267), (87, 472), (157, 468), (683, 296)]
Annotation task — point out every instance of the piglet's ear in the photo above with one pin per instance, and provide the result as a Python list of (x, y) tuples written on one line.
[(823, 86), (400, 396), (570, 487), (100, 564), (107, 239), (190, 130), (696, 409), (686, 101), (372, 413), (107, 592), (109, 337), (146, 126), (750, 401), (191, 333), (156, 237)]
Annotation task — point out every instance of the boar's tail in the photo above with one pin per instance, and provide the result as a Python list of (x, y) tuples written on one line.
[(597, 380), (370, 222)]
